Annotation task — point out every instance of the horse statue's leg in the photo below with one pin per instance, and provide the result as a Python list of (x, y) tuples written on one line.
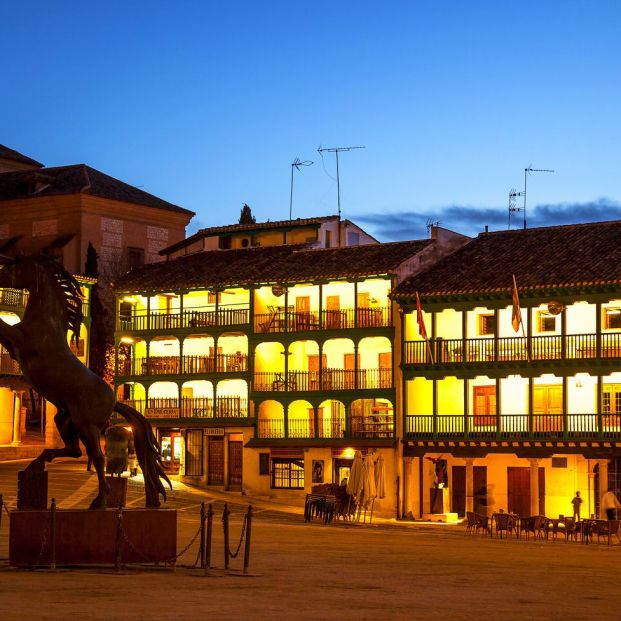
[(70, 437), (90, 435)]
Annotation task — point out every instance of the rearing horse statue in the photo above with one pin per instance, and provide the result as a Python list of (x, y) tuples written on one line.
[(84, 401)]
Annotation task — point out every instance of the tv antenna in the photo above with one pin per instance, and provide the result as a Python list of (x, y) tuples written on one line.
[(514, 194), (297, 162), (336, 151)]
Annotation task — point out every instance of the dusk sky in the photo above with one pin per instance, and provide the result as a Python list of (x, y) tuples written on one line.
[(206, 105)]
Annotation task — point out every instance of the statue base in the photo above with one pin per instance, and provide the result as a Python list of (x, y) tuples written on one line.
[(32, 489), (92, 537), (118, 492)]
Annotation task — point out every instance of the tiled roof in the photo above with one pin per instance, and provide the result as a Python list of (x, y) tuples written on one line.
[(241, 228), (292, 263), (555, 256), (78, 178), (16, 156)]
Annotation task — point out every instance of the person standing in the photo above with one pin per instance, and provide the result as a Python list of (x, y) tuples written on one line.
[(610, 504), (576, 502)]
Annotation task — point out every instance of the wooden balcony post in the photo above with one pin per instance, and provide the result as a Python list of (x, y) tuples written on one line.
[(496, 317), (286, 421), (182, 368), (600, 426), (565, 414), (148, 312), (315, 422), (598, 330), (434, 398), (498, 426), (286, 309), (464, 328), (530, 407), (466, 420), (148, 344), (179, 399), (529, 333), (563, 333), (217, 311), (321, 321), (181, 317), (355, 304), (356, 366)]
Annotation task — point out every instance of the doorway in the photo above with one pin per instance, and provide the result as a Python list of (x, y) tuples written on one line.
[(236, 450), (215, 461), (518, 491), (479, 490), (170, 442)]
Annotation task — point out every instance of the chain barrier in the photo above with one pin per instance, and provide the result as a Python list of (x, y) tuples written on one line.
[(241, 538)]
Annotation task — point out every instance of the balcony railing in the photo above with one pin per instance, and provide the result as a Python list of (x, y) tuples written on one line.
[(329, 428), (574, 427), (281, 320), (225, 316), (188, 365), (8, 366), (329, 379), (15, 298), (512, 349), (192, 407)]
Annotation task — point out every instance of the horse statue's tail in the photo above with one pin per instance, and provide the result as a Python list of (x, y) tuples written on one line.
[(148, 453)]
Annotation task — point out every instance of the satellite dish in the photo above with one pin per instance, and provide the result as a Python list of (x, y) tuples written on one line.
[(555, 307)]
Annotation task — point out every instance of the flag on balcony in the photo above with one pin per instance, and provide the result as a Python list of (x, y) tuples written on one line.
[(420, 319), (516, 314)]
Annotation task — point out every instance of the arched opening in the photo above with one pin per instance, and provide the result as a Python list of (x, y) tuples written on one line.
[(198, 354), (164, 356), (197, 399), (300, 420), (133, 394), (269, 367), (372, 418), (331, 419), (375, 355), (303, 366), (131, 355), (162, 400), (232, 399), (232, 355), (271, 420), (339, 364)]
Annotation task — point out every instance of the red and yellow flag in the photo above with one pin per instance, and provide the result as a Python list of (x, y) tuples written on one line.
[(516, 314), (420, 319)]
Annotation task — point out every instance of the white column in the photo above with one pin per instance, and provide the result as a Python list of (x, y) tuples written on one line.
[(408, 486), (534, 486), (469, 484), (17, 420), (603, 484)]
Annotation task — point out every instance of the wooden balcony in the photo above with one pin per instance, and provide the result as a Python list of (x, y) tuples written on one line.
[(185, 365), (225, 316), (512, 349), (329, 379), (329, 428), (280, 319), (192, 407), (8, 366), (550, 427), (13, 298)]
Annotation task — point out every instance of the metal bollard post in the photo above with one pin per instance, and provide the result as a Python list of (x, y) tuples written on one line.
[(248, 534), (118, 559), (202, 543), (209, 532), (53, 534), (225, 526)]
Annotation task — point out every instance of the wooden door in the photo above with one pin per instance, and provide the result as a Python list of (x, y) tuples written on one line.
[(170, 443), (548, 408), (302, 304), (333, 311), (385, 369), (518, 489), (313, 370), (611, 406), (215, 464), (349, 364), (479, 490), (236, 451), (484, 402)]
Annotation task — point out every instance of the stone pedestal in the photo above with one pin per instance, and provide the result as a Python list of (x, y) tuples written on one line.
[(440, 500), (118, 492), (31, 489), (91, 537)]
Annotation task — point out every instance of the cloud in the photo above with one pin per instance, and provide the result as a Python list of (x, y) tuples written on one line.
[(471, 220)]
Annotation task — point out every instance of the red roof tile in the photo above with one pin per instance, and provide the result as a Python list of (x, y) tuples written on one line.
[(555, 256), (292, 263)]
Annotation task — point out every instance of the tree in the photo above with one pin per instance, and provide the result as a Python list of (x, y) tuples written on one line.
[(246, 216)]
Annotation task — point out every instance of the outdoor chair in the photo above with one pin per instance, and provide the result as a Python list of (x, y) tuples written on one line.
[(471, 523), (607, 529), (482, 523), (535, 524), (505, 522), (569, 528)]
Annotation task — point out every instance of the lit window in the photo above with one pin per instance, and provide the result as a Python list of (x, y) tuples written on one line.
[(487, 324), (546, 322), (612, 318), (288, 474)]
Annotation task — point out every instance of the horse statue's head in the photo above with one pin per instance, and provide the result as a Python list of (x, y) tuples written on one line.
[(47, 282)]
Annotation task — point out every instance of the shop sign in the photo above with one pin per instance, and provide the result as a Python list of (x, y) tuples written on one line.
[(213, 431)]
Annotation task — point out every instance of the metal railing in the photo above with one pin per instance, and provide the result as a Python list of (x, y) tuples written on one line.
[(195, 318), (225, 406), (512, 349), (328, 379), (281, 320), (561, 427)]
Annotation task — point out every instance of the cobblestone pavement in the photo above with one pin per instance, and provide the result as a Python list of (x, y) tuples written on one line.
[(318, 572)]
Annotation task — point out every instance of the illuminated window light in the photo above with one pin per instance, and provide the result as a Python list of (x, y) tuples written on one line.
[(127, 339)]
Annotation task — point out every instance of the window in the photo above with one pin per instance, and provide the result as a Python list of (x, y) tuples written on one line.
[(135, 257), (487, 324), (546, 322), (484, 401), (328, 239), (194, 453), (612, 318), (264, 463), (224, 242), (288, 473)]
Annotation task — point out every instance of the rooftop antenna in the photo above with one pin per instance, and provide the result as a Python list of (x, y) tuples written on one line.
[(430, 224), (297, 162), (513, 194), (336, 151)]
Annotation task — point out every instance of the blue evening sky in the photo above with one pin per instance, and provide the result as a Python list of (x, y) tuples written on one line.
[(206, 104)]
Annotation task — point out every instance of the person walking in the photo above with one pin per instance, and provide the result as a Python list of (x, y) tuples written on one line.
[(576, 502), (610, 504)]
